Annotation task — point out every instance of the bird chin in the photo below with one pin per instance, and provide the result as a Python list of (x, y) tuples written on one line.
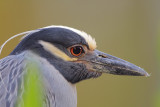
[(94, 73)]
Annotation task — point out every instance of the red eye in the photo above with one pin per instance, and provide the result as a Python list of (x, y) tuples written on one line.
[(76, 51)]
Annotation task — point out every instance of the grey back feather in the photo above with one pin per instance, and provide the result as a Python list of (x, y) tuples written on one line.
[(11, 71)]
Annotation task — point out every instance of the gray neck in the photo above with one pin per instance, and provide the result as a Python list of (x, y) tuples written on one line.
[(59, 92)]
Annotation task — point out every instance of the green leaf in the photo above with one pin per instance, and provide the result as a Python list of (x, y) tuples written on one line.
[(33, 95)]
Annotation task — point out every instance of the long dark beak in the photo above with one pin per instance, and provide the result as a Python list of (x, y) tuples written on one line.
[(105, 63)]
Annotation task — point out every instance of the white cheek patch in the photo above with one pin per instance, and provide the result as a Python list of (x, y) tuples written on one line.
[(55, 51)]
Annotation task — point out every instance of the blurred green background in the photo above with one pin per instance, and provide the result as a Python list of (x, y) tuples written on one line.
[(128, 29)]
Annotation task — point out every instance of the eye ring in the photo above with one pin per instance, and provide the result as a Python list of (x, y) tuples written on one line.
[(76, 50)]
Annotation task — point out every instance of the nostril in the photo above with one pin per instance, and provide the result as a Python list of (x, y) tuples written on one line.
[(103, 56)]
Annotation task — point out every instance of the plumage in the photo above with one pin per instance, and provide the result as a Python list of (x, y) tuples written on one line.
[(13, 80), (11, 71), (63, 56)]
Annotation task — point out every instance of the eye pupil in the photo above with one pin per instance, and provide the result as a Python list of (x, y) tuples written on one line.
[(76, 51)]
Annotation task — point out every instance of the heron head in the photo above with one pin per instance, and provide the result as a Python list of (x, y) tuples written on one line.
[(73, 53)]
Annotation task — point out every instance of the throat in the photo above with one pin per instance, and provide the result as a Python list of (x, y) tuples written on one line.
[(58, 91), (76, 73)]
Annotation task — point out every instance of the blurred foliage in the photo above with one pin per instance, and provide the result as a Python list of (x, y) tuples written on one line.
[(32, 96)]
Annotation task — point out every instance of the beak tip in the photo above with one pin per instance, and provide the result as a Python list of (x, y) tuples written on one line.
[(144, 73), (147, 75)]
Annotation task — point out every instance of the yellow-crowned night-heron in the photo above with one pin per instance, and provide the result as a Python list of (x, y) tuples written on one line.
[(64, 56)]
